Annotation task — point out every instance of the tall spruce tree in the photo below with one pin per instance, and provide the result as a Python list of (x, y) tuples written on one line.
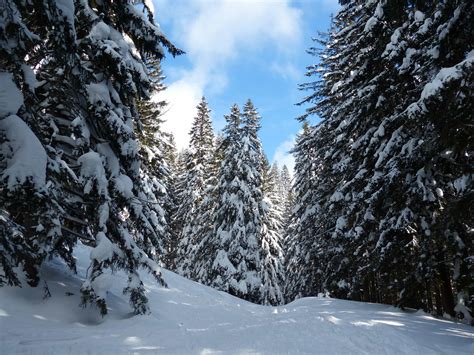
[(78, 110), (382, 233), (154, 172), (195, 178), (303, 270), (272, 266), (231, 252), (171, 159), (242, 253)]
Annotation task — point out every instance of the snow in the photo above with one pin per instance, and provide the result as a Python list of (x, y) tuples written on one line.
[(25, 155), (30, 77), (104, 250), (419, 16), (188, 318), (92, 171), (11, 97), (446, 75), (124, 185), (370, 24), (149, 5), (99, 92), (67, 9)]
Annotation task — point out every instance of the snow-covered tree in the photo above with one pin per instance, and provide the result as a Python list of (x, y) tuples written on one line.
[(272, 272), (77, 128), (171, 159), (154, 172), (194, 182), (379, 167), (303, 273), (241, 254), (29, 192), (228, 258)]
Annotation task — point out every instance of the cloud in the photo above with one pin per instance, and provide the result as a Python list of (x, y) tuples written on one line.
[(182, 97), (286, 70), (214, 34), (283, 156)]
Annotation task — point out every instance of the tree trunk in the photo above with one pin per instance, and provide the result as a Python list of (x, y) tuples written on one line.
[(446, 290)]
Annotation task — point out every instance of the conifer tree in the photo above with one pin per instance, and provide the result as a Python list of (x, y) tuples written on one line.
[(171, 159), (272, 273), (79, 108), (231, 252), (303, 270), (195, 183), (154, 171), (380, 178), (242, 254), (286, 195)]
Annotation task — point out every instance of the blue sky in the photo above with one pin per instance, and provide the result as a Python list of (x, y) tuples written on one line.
[(240, 49)]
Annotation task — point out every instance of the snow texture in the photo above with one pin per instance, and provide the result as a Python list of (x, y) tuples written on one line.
[(25, 155), (92, 171), (11, 97), (446, 75), (67, 9), (188, 318)]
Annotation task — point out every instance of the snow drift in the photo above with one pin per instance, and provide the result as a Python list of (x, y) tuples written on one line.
[(188, 318)]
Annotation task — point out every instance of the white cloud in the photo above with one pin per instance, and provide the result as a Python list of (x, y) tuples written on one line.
[(286, 70), (216, 32), (182, 97), (283, 156)]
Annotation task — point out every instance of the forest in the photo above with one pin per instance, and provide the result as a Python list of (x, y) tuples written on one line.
[(379, 207)]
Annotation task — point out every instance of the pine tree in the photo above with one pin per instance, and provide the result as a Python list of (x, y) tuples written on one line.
[(31, 193), (79, 111), (195, 180), (285, 191), (303, 270), (229, 257), (171, 204), (154, 172), (242, 253), (380, 175), (271, 254)]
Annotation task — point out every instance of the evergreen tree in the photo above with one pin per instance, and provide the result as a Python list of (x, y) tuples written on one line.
[(171, 159), (286, 195), (154, 172), (195, 183), (271, 254), (78, 109), (30, 191), (230, 255), (303, 268), (242, 254), (380, 173)]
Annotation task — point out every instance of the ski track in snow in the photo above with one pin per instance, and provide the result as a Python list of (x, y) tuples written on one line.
[(188, 318)]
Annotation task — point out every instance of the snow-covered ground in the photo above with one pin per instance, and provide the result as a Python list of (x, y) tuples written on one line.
[(188, 318)]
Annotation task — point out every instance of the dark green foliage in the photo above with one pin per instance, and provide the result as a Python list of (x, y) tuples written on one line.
[(391, 157), (80, 104)]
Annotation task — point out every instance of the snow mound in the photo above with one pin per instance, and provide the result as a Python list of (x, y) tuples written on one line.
[(24, 153), (188, 318)]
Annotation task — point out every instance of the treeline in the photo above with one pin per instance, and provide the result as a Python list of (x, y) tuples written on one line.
[(380, 208), (230, 207), (384, 183)]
